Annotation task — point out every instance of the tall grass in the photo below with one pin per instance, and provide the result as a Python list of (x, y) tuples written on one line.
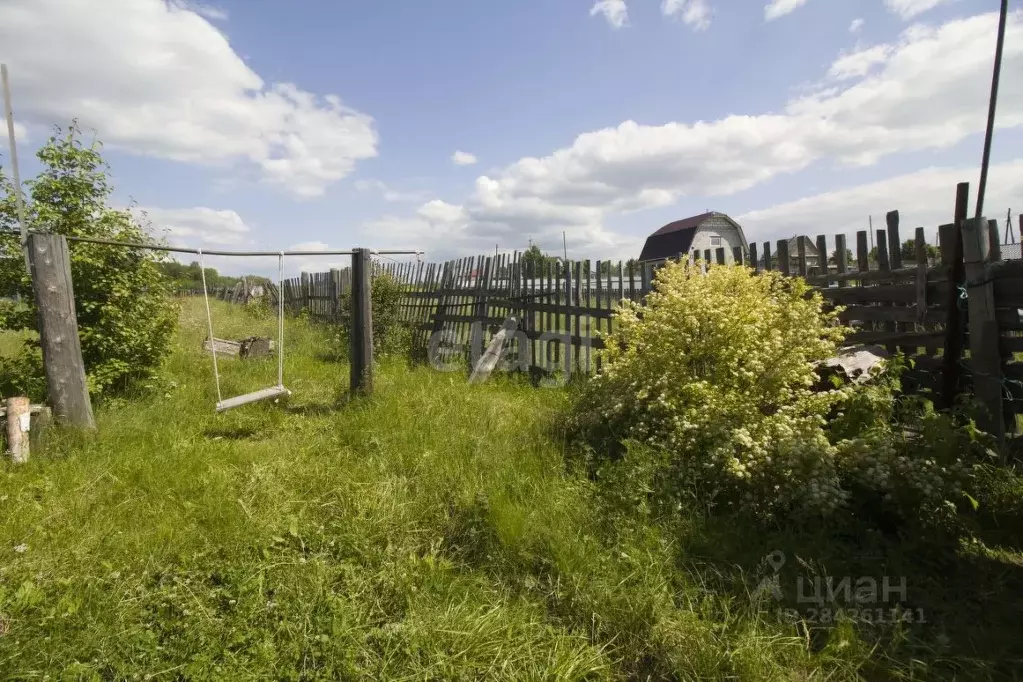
[(429, 532)]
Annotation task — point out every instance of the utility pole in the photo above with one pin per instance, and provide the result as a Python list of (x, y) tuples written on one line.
[(564, 243), (19, 202), (870, 231)]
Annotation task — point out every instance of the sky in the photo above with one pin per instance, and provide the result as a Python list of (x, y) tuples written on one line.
[(459, 127)]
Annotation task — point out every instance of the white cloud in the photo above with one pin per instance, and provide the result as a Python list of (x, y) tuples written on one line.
[(460, 158), (158, 79), (614, 11), (856, 25), (694, 13), (918, 93), (210, 12), (859, 64), (907, 9), (197, 227), (388, 193), (779, 8), (924, 198)]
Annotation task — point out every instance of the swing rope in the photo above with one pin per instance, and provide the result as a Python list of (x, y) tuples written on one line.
[(280, 319), (209, 323)]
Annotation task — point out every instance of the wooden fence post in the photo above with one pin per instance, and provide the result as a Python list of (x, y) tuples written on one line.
[(58, 330), (362, 323), (19, 416), (985, 357)]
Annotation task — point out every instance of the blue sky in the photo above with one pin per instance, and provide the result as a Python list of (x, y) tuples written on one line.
[(826, 99)]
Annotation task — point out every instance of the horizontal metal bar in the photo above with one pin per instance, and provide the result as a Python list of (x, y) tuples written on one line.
[(210, 252)]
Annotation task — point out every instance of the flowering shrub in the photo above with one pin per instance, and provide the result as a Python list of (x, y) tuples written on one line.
[(718, 370)]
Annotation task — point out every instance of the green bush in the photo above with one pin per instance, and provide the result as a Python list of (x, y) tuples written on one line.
[(125, 315), (390, 335), (719, 372)]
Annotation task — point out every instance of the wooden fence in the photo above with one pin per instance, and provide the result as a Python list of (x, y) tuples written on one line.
[(955, 317)]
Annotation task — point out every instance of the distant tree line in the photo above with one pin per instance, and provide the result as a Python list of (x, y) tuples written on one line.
[(189, 277)]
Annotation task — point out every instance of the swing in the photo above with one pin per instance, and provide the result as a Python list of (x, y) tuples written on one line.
[(265, 393)]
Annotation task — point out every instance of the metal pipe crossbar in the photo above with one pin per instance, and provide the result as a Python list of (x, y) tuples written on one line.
[(181, 249)]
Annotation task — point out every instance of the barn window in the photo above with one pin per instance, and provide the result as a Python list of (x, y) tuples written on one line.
[(715, 241)]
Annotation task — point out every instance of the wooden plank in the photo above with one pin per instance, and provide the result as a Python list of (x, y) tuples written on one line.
[(822, 254), (883, 261), (600, 289), (580, 357), (995, 246), (753, 257), (841, 256), (894, 242), (862, 252), (783, 257), (361, 379), (801, 255), (58, 330), (954, 341), (920, 244), (885, 293), (569, 354), (884, 313), (985, 357)]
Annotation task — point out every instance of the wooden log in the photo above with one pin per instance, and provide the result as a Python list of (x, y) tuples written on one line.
[(58, 330), (361, 378), (18, 423), (492, 355), (985, 357)]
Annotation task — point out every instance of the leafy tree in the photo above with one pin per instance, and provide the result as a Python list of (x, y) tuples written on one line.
[(909, 250), (125, 317), (849, 259), (535, 260)]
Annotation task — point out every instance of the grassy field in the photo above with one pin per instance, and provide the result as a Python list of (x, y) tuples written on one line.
[(430, 532)]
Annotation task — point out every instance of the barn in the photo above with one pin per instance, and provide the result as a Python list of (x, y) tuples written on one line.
[(696, 235)]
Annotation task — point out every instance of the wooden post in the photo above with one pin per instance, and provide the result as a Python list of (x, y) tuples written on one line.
[(58, 330), (862, 254), (362, 323), (783, 257), (801, 252), (953, 350), (305, 291), (894, 242), (18, 418), (841, 257), (767, 256), (822, 255), (985, 357), (754, 261), (996, 245)]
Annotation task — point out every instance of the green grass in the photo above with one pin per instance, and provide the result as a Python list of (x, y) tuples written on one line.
[(429, 532)]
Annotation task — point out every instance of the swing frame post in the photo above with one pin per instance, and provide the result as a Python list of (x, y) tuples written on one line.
[(58, 329), (361, 380)]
